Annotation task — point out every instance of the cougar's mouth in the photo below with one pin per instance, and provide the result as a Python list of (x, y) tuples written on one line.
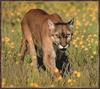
[(61, 47)]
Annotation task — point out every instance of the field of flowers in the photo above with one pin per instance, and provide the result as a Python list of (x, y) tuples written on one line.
[(83, 51)]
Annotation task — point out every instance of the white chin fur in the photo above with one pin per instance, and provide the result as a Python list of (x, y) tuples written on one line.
[(61, 47)]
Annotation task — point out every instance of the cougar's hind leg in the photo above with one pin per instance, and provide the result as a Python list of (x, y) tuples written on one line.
[(30, 44), (23, 49), (32, 53)]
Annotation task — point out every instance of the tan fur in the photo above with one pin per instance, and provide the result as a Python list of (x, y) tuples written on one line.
[(36, 32)]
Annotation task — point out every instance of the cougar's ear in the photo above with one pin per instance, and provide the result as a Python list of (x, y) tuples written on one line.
[(51, 25), (71, 23)]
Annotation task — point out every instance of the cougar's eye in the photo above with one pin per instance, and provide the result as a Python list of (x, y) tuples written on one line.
[(52, 34), (67, 35), (57, 35)]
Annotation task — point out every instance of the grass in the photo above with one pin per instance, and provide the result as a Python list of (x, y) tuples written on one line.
[(82, 53)]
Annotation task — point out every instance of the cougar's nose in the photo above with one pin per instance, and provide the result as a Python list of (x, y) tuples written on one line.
[(63, 43)]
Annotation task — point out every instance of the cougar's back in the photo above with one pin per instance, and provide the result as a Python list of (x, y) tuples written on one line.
[(36, 20)]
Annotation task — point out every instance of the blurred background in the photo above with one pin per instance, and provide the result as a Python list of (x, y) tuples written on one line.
[(83, 52)]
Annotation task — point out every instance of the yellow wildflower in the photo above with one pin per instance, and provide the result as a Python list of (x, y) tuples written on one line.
[(74, 13), (9, 52), (75, 33), (93, 18), (12, 30), (84, 15), (85, 49), (84, 20), (12, 45), (78, 23), (6, 39), (71, 84), (52, 86), (91, 15), (19, 54), (90, 47), (69, 81), (95, 35), (3, 82), (74, 42), (94, 52), (91, 56), (75, 72), (18, 19), (12, 14), (89, 44), (67, 15), (17, 62), (82, 36), (87, 23), (90, 36), (81, 42), (3, 40), (10, 55), (76, 46), (87, 39), (18, 13), (11, 86), (78, 10), (34, 85), (78, 74), (77, 38), (73, 9), (92, 40), (82, 46), (84, 31), (90, 24)]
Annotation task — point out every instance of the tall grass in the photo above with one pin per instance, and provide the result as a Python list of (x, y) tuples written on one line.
[(82, 53)]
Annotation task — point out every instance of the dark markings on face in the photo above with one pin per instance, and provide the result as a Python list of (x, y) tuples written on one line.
[(62, 35)]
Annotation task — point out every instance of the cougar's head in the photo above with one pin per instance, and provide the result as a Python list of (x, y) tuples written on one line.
[(61, 33)]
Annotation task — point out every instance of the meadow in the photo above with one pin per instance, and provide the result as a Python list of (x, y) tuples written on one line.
[(82, 53)]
